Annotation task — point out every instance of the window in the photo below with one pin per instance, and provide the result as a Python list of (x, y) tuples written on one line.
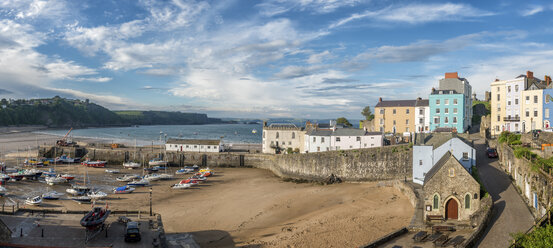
[(277, 135), (508, 103), (446, 110), (421, 121), (394, 111), (465, 156), (381, 121), (337, 139), (546, 113), (436, 120), (446, 120), (314, 139), (475, 195), (437, 101), (318, 148), (421, 111), (535, 99), (508, 88), (407, 111), (467, 201), (535, 112), (322, 139), (498, 98), (516, 88), (437, 111), (527, 113), (208, 147), (263, 134), (455, 101), (420, 162), (394, 122), (451, 172), (381, 111), (446, 101), (195, 146), (381, 129), (527, 99), (516, 101), (455, 110), (407, 121), (455, 119), (406, 129), (293, 135), (289, 142), (436, 201), (358, 139)]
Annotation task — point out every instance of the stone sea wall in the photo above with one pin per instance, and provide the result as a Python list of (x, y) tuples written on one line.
[(372, 164)]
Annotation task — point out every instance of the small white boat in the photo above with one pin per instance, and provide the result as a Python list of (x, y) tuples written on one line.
[(78, 190), (181, 186), (55, 180), (157, 162), (127, 178), (165, 176), (97, 195), (81, 199), (131, 165), (35, 200), (152, 177), (52, 195), (3, 191), (112, 171), (123, 190), (141, 182), (184, 171)]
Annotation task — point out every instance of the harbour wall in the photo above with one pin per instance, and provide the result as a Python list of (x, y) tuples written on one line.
[(371, 164)]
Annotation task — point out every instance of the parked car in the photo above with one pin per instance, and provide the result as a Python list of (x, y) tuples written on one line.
[(132, 233), (491, 152)]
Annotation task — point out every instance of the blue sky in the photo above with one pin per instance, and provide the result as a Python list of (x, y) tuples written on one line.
[(267, 58)]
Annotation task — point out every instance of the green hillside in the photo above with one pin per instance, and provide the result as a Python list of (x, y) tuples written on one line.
[(61, 112)]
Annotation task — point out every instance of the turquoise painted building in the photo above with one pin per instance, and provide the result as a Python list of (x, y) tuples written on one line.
[(447, 109), (547, 108)]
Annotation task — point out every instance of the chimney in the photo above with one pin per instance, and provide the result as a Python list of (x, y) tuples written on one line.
[(497, 79), (433, 89), (264, 123), (547, 80), (419, 99), (451, 75), (380, 99), (529, 74)]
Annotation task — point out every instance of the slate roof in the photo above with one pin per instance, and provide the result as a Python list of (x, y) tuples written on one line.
[(316, 132), (437, 139), (342, 132), (422, 103), (193, 142), (438, 166), (281, 125), (396, 103)]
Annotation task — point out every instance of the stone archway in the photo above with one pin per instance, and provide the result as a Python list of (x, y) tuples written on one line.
[(451, 209)]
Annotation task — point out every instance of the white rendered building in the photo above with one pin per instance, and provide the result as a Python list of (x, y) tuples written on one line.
[(193, 145)]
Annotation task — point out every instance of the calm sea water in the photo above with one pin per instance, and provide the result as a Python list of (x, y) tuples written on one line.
[(146, 135)]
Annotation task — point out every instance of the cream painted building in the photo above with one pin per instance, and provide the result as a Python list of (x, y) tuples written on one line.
[(278, 137), (532, 108), (396, 116)]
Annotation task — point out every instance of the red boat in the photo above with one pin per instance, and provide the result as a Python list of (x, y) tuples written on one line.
[(96, 164), (190, 181)]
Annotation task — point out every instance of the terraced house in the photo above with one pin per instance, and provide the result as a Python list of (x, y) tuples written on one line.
[(451, 104)]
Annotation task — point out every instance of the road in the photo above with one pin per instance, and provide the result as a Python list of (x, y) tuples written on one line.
[(510, 213)]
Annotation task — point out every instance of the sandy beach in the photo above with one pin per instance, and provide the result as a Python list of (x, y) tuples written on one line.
[(243, 206)]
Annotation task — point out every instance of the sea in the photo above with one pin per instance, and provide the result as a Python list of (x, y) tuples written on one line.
[(157, 134)]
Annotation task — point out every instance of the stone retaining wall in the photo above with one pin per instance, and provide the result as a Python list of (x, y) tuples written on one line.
[(481, 220)]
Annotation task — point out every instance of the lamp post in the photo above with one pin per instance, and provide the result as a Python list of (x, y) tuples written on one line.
[(150, 201)]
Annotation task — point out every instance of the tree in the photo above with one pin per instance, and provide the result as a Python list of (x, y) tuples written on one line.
[(367, 113), (343, 121)]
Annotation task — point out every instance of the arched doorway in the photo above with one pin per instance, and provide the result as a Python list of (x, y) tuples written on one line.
[(451, 209)]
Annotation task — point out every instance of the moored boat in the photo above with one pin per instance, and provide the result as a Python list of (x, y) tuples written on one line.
[(152, 177), (95, 218), (78, 190), (123, 190), (97, 195), (181, 186), (184, 171), (67, 177), (131, 165), (55, 180), (141, 182), (95, 164), (157, 162), (81, 199), (127, 178), (52, 195), (35, 200), (3, 191), (112, 171)]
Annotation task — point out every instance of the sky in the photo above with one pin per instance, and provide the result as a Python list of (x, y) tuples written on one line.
[(264, 58)]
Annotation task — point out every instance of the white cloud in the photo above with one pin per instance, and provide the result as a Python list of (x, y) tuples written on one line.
[(318, 57), (532, 10), (276, 7), (417, 14), (103, 98)]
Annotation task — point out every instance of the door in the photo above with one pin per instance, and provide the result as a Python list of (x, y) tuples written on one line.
[(451, 209)]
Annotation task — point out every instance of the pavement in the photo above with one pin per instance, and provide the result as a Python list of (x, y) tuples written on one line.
[(64, 230), (510, 213)]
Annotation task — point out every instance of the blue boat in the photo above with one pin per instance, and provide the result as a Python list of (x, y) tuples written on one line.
[(141, 182)]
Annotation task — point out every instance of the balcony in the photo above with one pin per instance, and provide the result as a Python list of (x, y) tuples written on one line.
[(513, 118)]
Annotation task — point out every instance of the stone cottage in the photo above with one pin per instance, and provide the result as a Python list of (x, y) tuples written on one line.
[(450, 191)]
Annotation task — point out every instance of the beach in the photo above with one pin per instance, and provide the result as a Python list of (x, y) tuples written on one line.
[(240, 206)]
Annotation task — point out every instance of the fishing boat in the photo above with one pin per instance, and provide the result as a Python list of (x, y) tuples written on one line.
[(55, 180), (3, 191), (112, 171), (94, 164), (35, 200), (65, 159), (141, 182), (181, 186), (78, 190), (52, 195), (131, 165), (81, 199), (127, 178), (123, 190), (95, 218), (33, 162), (97, 195), (157, 162)]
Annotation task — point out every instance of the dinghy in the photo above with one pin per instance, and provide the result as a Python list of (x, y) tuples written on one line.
[(55, 180), (181, 186), (97, 195), (123, 190), (141, 182), (35, 200), (127, 178), (95, 218), (52, 195)]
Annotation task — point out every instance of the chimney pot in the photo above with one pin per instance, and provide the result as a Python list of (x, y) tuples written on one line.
[(529, 74), (380, 99), (451, 75)]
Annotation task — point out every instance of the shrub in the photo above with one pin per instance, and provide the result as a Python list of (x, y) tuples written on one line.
[(509, 138), (540, 237)]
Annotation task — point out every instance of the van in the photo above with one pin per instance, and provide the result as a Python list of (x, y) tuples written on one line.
[(132, 233)]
